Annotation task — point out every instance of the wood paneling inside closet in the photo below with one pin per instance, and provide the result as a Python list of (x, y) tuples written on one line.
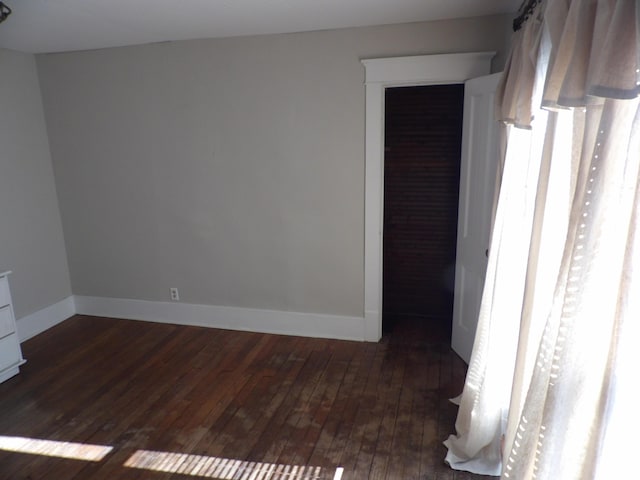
[(423, 128)]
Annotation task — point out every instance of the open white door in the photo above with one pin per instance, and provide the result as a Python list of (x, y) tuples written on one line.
[(477, 182)]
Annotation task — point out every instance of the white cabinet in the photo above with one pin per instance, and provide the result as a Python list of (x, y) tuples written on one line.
[(10, 354)]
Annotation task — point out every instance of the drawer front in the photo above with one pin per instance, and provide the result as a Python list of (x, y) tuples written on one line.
[(9, 351), (5, 298), (7, 325)]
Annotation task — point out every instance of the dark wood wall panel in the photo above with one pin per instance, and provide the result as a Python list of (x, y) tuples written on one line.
[(423, 128)]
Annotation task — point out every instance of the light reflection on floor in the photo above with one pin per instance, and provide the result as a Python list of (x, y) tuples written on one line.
[(196, 465), (53, 448), (225, 468)]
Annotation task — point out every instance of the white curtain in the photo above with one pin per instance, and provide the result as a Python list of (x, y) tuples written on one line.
[(548, 393)]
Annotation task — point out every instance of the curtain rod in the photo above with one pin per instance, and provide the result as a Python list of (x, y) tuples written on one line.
[(525, 11), (5, 11)]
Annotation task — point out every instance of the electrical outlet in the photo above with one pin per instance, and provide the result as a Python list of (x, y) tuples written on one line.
[(175, 296)]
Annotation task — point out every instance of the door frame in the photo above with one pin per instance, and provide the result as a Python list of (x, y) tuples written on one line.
[(380, 74)]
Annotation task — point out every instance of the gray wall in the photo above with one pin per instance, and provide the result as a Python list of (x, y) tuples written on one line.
[(31, 241), (232, 169)]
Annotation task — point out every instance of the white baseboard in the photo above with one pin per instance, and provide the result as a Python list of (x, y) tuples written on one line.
[(230, 318), (31, 325)]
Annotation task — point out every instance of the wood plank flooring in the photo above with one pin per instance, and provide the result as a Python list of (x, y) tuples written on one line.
[(103, 398)]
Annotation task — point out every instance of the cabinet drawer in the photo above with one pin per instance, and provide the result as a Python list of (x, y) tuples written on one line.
[(9, 351), (5, 298), (7, 325)]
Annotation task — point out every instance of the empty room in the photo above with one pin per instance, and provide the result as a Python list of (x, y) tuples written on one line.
[(333, 240)]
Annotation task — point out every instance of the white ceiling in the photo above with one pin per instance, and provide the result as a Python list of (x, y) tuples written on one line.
[(39, 26)]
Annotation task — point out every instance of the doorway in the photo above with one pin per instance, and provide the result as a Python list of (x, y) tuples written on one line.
[(422, 142), (380, 74)]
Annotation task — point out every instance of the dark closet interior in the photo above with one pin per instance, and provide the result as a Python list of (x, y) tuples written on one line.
[(423, 130)]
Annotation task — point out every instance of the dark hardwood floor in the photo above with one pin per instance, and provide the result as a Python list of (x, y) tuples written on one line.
[(107, 399)]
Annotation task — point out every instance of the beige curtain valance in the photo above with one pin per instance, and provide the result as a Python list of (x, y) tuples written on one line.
[(591, 52)]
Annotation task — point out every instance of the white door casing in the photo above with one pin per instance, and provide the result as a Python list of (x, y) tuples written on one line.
[(479, 160), (382, 73)]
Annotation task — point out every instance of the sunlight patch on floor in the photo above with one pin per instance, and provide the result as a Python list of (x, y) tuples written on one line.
[(53, 448), (225, 468), (195, 465)]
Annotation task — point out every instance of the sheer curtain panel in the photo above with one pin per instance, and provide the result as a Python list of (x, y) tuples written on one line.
[(548, 391)]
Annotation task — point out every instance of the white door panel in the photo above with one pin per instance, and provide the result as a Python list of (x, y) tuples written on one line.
[(477, 182)]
